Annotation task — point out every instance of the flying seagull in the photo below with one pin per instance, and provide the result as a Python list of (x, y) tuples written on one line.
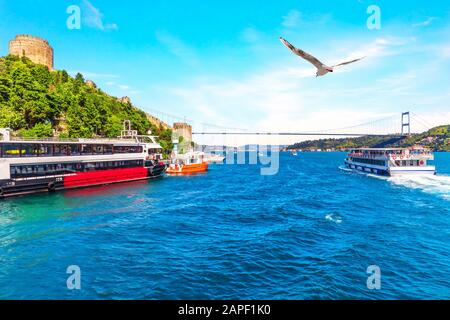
[(322, 69)]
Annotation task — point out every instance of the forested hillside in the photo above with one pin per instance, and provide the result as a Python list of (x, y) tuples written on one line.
[(35, 102), (437, 139)]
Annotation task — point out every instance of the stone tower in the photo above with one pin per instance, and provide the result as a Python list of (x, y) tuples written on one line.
[(36, 49), (184, 130)]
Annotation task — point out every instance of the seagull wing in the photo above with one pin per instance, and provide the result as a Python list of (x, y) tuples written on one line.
[(316, 62), (348, 62)]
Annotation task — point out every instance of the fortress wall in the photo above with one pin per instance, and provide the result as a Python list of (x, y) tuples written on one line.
[(36, 49)]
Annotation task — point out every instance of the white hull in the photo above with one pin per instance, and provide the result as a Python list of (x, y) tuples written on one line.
[(215, 159), (391, 171)]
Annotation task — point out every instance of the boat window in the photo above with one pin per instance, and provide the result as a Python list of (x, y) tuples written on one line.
[(28, 150), (90, 166), (74, 149), (86, 149), (60, 150), (45, 150), (370, 161), (11, 150), (108, 149), (28, 171), (98, 149), (128, 149)]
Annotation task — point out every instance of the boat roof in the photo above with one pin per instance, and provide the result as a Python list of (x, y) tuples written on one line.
[(390, 149), (195, 154), (379, 149), (117, 141)]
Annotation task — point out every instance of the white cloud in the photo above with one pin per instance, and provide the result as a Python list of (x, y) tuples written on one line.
[(381, 47), (271, 100), (127, 89), (250, 34), (425, 23), (295, 19), (292, 19), (446, 51), (93, 18), (176, 47), (285, 96), (95, 75)]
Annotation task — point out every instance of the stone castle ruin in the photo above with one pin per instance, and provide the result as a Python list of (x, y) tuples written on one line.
[(183, 130), (36, 49), (39, 51)]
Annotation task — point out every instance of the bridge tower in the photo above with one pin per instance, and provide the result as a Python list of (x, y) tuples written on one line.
[(406, 124)]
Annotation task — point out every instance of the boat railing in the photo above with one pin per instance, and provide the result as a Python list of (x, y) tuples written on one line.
[(391, 155), (368, 156), (411, 156), (71, 140)]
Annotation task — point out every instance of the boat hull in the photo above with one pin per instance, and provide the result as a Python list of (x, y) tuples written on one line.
[(215, 159), (12, 188), (391, 172), (188, 169)]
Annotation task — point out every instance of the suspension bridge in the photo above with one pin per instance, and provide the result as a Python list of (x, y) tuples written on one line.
[(376, 128), (395, 126)]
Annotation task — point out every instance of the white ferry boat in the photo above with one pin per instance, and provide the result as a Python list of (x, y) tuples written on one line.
[(33, 166), (214, 158), (392, 161)]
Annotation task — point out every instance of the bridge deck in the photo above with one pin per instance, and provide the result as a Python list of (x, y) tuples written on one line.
[(398, 135)]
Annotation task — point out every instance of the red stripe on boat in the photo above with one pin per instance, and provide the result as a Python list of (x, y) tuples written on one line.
[(83, 179)]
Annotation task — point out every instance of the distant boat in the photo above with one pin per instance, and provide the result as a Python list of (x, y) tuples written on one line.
[(294, 153), (189, 163), (214, 158)]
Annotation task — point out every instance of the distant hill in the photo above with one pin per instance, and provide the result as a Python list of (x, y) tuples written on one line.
[(36, 102), (437, 139)]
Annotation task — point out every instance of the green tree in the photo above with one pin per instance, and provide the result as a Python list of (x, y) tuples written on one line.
[(40, 130), (33, 100)]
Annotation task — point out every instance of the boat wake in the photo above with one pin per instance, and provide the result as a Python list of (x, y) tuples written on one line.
[(439, 184), (344, 168)]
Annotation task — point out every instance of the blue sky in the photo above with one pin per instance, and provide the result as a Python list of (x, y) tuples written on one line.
[(220, 62)]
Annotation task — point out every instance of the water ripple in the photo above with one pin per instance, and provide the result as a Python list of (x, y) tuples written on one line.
[(309, 232)]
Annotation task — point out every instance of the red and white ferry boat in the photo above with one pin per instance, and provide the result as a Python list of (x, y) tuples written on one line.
[(33, 166)]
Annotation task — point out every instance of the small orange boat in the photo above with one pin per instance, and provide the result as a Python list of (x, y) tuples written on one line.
[(189, 163)]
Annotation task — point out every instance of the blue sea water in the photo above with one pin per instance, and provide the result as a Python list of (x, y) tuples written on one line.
[(309, 232)]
